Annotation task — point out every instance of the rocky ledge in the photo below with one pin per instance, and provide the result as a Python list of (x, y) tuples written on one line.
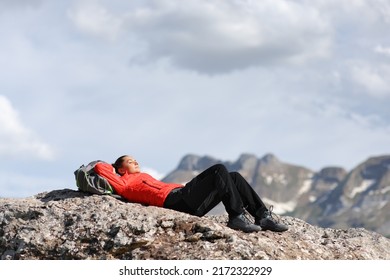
[(67, 224)]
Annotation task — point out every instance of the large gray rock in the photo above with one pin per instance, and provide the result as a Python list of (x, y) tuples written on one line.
[(66, 224)]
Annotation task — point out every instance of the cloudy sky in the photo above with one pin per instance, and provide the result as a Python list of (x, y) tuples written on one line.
[(308, 81)]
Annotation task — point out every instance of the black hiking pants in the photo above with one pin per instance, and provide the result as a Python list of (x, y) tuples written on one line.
[(212, 186)]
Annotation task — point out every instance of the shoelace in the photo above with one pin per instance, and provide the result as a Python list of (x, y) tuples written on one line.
[(272, 215), (248, 216)]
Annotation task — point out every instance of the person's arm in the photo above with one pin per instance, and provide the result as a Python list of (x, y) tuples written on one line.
[(107, 171)]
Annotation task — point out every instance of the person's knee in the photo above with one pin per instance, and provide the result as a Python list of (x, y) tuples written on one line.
[(235, 175), (220, 168)]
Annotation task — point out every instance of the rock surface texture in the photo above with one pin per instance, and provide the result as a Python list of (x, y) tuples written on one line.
[(67, 224)]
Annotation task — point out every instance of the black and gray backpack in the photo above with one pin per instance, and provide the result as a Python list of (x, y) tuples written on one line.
[(88, 180)]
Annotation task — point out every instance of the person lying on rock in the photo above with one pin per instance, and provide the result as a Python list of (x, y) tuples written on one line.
[(197, 197)]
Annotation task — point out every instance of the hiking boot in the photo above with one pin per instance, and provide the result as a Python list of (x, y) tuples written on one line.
[(240, 222), (268, 222)]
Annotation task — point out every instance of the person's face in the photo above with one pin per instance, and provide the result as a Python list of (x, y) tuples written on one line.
[(129, 166)]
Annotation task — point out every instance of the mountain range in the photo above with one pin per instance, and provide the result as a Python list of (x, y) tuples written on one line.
[(331, 197)]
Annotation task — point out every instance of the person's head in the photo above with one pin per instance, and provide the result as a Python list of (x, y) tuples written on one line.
[(126, 165)]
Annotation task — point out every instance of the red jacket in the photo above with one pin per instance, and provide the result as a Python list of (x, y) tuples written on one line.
[(138, 187)]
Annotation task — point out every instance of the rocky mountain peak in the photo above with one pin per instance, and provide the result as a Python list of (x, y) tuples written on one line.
[(332, 174), (193, 162), (244, 162), (269, 159), (246, 157), (188, 162), (375, 167)]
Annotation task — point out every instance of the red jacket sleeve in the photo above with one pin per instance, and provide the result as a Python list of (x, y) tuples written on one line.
[(107, 171)]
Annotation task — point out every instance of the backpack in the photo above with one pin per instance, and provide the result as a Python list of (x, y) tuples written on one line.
[(87, 180)]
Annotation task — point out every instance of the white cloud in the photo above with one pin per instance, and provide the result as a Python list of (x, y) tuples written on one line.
[(374, 78), (16, 139), (96, 20), (214, 37), (382, 50)]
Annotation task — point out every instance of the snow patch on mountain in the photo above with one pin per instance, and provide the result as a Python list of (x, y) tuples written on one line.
[(365, 185)]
